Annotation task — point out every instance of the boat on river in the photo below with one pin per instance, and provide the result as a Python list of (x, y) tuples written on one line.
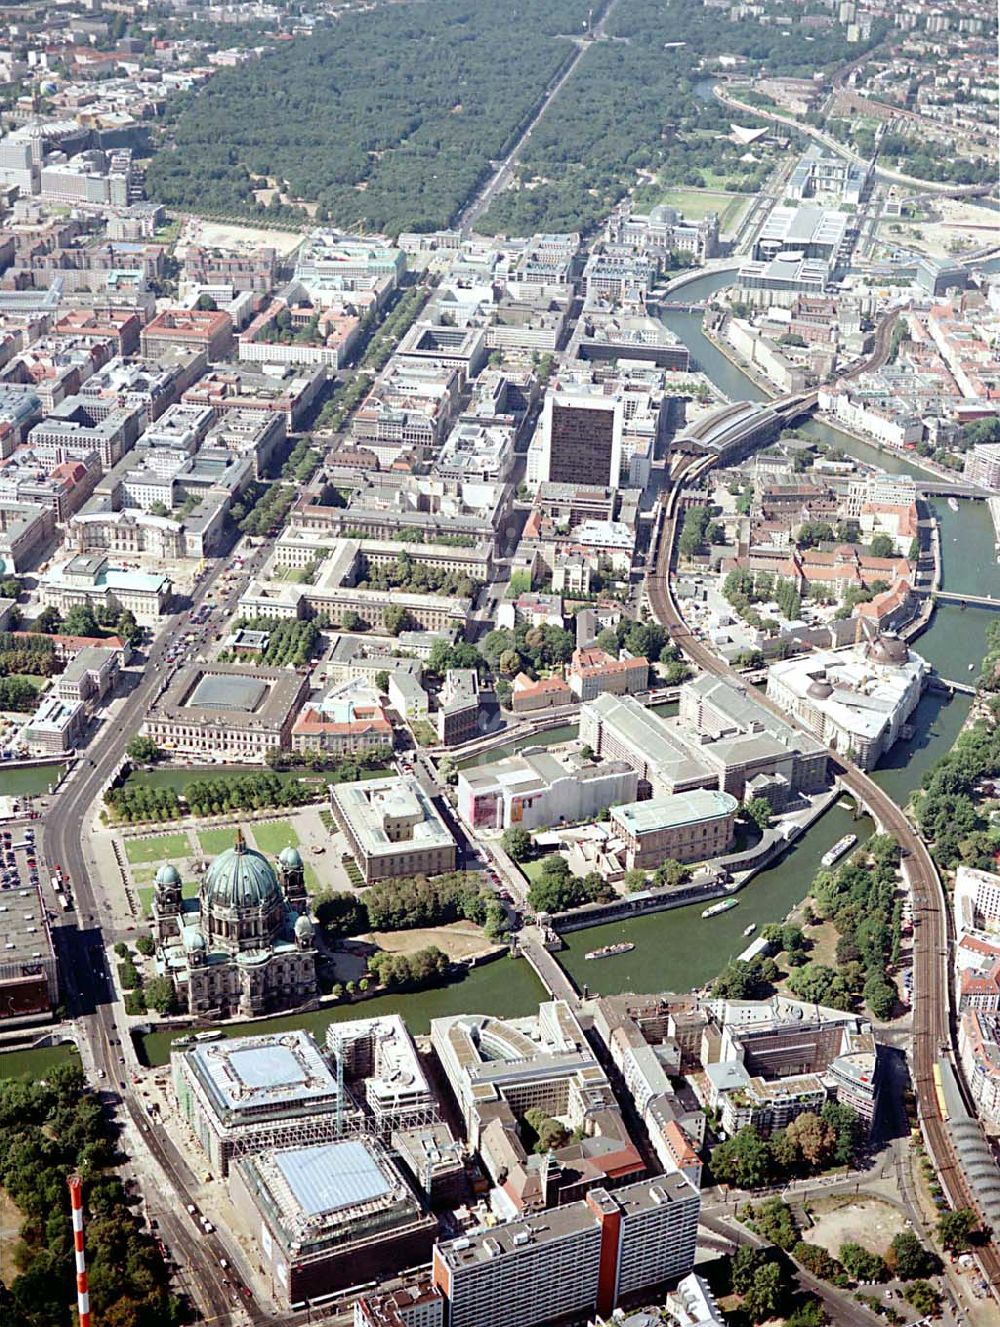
[(839, 848), (953, 503), (726, 905), (749, 930), (609, 951)]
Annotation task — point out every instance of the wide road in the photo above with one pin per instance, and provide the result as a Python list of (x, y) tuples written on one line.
[(82, 948), (932, 1031), (503, 174)]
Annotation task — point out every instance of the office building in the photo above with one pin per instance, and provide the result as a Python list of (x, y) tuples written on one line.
[(579, 439), (459, 707), (592, 672), (230, 710), (417, 1303), (380, 1062), (29, 976), (500, 1069), (571, 1261), (392, 828), (776, 1059), (982, 465), (979, 1048)]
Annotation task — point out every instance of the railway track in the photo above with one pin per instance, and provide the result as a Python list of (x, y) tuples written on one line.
[(932, 1028)]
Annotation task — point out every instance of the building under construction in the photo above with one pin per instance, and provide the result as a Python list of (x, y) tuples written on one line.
[(328, 1215), (381, 1063), (252, 1093)]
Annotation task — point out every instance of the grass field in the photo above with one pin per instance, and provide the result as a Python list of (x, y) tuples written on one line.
[(273, 835), (36, 1063), (698, 203), (214, 841), (159, 848), (533, 869)]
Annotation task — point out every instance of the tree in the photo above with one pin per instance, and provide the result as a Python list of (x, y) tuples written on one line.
[(145, 946), (351, 621), (924, 1298), (127, 627), (772, 1220), (557, 889), (382, 680), (517, 844), (955, 1229), (758, 809), (813, 1138), (846, 1124), (882, 546), (160, 995), (670, 874), (143, 749), (206, 303), (510, 663), (880, 996), (635, 881), (808, 1312), (746, 1262), (80, 621), (340, 913), (544, 1132), (47, 621), (812, 533), (395, 619), (743, 1160), (765, 1294), (909, 1260), (861, 1264), (817, 1260)]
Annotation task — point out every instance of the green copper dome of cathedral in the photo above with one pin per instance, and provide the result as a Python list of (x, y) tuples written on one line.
[(241, 877)]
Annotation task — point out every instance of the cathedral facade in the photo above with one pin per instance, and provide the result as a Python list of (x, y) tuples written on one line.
[(245, 946)]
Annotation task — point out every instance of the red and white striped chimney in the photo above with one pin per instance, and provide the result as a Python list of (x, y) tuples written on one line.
[(82, 1294)]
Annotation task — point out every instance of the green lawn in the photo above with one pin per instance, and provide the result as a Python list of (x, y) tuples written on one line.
[(214, 841), (189, 889), (698, 203), (273, 835), (159, 848), (533, 869), (36, 1063)]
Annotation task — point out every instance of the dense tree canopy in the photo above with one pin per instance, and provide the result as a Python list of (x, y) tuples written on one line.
[(48, 1130), (387, 118)]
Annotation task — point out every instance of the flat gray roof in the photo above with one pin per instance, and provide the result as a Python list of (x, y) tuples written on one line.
[(329, 1177), (228, 693)]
